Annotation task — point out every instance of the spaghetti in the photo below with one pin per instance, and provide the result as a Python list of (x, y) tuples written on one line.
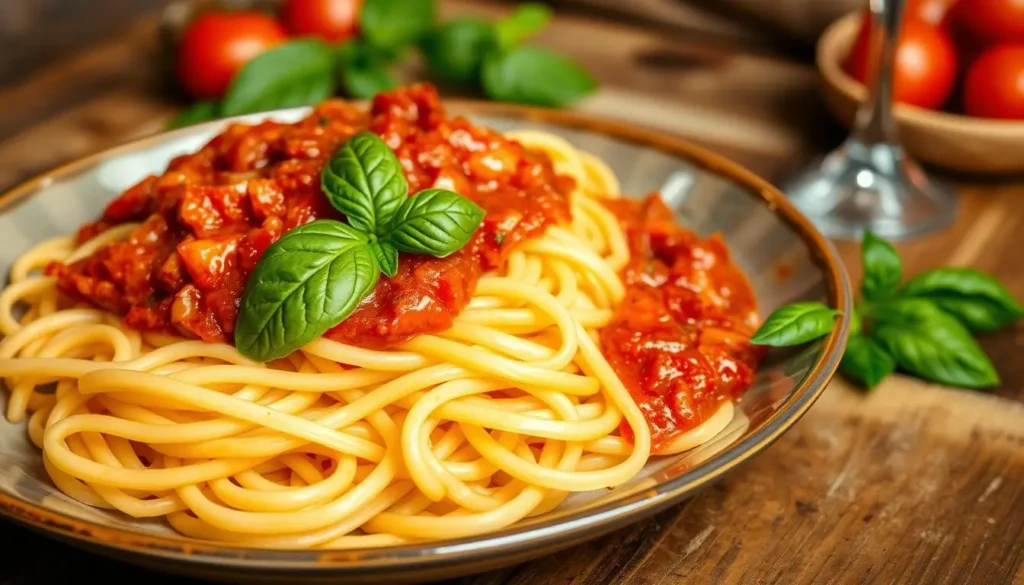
[(446, 434)]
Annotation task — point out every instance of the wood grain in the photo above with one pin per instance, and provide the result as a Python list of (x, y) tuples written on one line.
[(913, 483)]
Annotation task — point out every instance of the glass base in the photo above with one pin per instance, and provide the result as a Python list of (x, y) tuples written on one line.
[(875, 187)]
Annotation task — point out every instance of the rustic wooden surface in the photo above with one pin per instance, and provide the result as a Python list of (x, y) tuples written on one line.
[(911, 484)]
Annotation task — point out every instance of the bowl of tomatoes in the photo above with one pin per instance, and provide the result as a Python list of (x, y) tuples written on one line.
[(958, 80)]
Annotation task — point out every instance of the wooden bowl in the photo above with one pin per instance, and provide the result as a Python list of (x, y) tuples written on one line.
[(952, 141)]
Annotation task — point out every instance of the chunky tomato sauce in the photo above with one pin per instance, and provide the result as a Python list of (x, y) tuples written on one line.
[(208, 218), (679, 340)]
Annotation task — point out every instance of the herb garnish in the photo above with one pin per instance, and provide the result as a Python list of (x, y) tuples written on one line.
[(922, 328), (315, 275)]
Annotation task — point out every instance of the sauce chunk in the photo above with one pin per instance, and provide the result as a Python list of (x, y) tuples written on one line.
[(679, 340)]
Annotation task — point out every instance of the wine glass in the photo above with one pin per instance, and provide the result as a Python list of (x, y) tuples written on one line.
[(869, 182)]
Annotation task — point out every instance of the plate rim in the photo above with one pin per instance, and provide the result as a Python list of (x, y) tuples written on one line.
[(512, 540)]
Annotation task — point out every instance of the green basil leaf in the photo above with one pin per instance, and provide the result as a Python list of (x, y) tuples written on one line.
[(866, 361), (366, 81), (532, 75), (387, 257), (394, 23), (978, 300), (305, 283), (795, 323), (435, 222), (883, 269), (455, 50), (527, 20), (365, 181), (201, 111), (932, 345), (297, 73), (363, 70)]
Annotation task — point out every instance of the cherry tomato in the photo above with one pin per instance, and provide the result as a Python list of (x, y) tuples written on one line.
[(994, 84), (991, 21), (925, 65), (331, 20), (215, 45), (933, 12)]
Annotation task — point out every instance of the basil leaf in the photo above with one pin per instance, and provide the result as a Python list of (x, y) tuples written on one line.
[(297, 73), (532, 75), (883, 269), (393, 23), (435, 222), (363, 70), (866, 361), (387, 257), (795, 323), (365, 181), (527, 20), (201, 111), (978, 300), (366, 81), (454, 51), (305, 283), (932, 345)]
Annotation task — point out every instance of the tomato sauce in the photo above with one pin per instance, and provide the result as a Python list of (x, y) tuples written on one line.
[(679, 340), (205, 221)]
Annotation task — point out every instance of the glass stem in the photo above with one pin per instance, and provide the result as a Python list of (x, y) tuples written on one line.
[(874, 118)]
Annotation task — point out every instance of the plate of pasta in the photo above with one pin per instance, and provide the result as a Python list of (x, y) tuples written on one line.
[(404, 338)]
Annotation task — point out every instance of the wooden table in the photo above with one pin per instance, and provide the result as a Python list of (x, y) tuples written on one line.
[(911, 484)]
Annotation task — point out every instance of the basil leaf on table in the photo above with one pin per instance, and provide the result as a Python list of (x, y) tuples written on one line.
[(435, 222), (297, 73), (979, 301), (455, 50), (394, 23), (365, 181), (795, 323), (525, 21), (866, 361), (532, 75), (201, 111), (883, 269), (932, 345), (305, 283), (387, 257)]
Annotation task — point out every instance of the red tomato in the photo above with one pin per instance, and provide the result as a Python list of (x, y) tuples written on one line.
[(994, 84), (331, 20), (925, 66), (933, 12), (991, 21), (215, 45)]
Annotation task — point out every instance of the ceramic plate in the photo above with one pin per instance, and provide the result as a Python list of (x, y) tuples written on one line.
[(785, 258)]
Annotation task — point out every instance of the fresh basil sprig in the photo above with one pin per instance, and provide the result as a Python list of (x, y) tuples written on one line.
[(315, 275), (922, 328)]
